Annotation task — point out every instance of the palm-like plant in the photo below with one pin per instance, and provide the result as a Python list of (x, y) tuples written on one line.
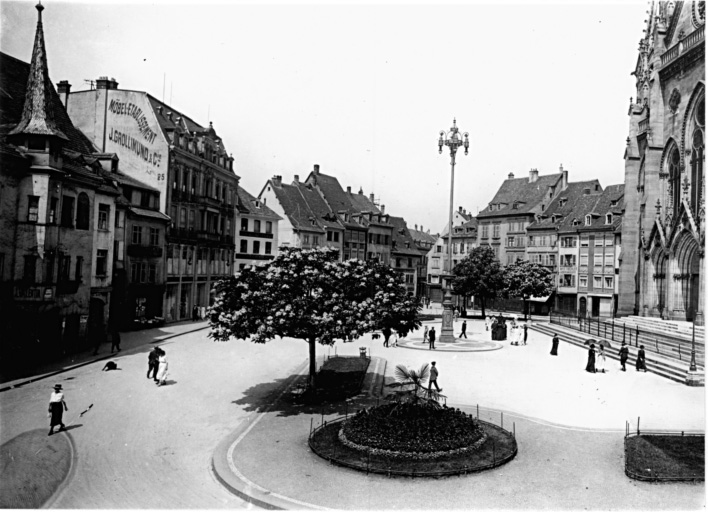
[(412, 389)]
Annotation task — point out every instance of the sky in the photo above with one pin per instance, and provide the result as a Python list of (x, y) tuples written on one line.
[(364, 90)]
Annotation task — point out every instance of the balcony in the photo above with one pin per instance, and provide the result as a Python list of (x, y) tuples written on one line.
[(209, 201), (144, 251), (255, 234), (643, 126), (570, 269), (693, 39), (183, 234)]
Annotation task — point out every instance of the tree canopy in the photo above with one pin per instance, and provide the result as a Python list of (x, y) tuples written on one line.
[(479, 274), (525, 279), (309, 294)]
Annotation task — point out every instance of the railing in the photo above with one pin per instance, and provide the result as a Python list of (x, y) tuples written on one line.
[(255, 234), (183, 233), (643, 126), (605, 327), (144, 251), (688, 42)]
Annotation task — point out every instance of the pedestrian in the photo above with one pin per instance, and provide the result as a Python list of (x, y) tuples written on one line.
[(554, 347), (590, 367), (153, 363), (57, 406), (433, 378), (431, 338), (486, 323), (386, 331), (464, 329), (115, 338), (601, 358), (425, 334), (624, 355), (641, 359), (162, 369), (195, 313), (526, 332)]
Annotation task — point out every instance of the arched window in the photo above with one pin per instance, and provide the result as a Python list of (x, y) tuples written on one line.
[(675, 179), (83, 211), (697, 170)]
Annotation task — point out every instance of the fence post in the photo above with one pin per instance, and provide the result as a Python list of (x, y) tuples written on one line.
[(502, 420), (679, 346), (514, 430), (624, 329), (613, 330), (636, 338), (638, 418), (656, 342), (477, 411), (605, 329), (311, 427)]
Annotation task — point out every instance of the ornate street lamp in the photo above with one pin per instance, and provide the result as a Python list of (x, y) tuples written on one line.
[(453, 140)]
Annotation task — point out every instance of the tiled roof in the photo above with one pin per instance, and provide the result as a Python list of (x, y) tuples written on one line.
[(247, 205), (528, 195), (167, 124), (603, 206), (295, 207), (13, 89), (570, 203), (334, 194), (401, 236), (148, 213), (361, 203), (422, 236), (124, 179), (325, 216)]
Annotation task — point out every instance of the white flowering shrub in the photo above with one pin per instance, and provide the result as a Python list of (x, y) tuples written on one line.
[(309, 294)]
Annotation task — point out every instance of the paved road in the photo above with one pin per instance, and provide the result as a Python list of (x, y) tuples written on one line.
[(141, 446)]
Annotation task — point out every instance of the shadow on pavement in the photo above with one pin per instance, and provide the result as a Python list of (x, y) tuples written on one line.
[(269, 396)]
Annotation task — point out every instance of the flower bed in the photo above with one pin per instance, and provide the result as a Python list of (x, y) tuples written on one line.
[(412, 431)]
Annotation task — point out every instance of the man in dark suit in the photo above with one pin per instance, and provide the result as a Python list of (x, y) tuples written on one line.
[(153, 363), (431, 338)]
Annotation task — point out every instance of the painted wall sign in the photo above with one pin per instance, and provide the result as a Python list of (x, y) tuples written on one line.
[(132, 110), (128, 141)]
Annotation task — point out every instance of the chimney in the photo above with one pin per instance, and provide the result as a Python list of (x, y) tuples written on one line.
[(64, 88), (371, 197), (296, 178), (361, 191), (277, 180), (383, 208), (349, 190), (564, 179), (511, 175), (416, 227), (316, 169), (533, 175), (104, 82), (460, 209)]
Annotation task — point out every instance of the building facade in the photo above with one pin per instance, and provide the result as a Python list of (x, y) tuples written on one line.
[(257, 238), (56, 220), (188, 164), (663, 231)]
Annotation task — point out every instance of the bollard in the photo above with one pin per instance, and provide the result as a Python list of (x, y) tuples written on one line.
[(477, 411), (346, 410), (310, 427), (322, 416), (502, 420), (637, 425), (514, 430)]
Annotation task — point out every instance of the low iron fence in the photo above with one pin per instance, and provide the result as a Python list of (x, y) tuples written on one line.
[(498, 458), (656, 472)]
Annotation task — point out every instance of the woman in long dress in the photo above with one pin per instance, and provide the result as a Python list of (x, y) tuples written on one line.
[(641, 359), (601, 358), (591, 359), (162, 369), (554, 347), (57, 406)]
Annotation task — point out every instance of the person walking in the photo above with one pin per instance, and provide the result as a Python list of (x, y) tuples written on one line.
[(162, 369), (115, 338), (601, 358), (425, 334), (554, 346), (526, 332), (195, 313), (434, 378), (590, 367), (464, 329), (624, 355), (641, 359), (57, 406), (153, 363), (431, 338)]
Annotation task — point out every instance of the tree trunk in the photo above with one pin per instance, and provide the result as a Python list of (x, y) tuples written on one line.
[(313, 365), (525, 309), (481, 300)]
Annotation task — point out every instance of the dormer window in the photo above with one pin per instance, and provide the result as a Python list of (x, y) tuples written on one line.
[(608, 218), (576, 222), (613, 202), (515, 206), (562, 202), (588, 220)]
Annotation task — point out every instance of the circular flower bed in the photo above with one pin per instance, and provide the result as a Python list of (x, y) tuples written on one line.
[(412, 431)]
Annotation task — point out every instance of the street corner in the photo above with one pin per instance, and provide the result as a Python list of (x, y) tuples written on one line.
[(34, 468)]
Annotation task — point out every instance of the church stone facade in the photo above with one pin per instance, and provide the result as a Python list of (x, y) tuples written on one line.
[(663, 231)]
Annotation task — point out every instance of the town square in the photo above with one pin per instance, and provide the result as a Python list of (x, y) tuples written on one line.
[(343, 267)]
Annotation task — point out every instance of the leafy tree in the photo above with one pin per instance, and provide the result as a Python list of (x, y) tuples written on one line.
[(525, 279), (479, 274), (311, 295)]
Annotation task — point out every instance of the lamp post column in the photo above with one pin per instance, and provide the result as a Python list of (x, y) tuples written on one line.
[(453, 140)]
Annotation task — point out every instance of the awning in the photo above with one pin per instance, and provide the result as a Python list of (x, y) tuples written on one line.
[(538, 299)]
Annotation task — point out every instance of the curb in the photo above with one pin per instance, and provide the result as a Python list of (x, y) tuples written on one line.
[(86, 363), (67, 479)]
